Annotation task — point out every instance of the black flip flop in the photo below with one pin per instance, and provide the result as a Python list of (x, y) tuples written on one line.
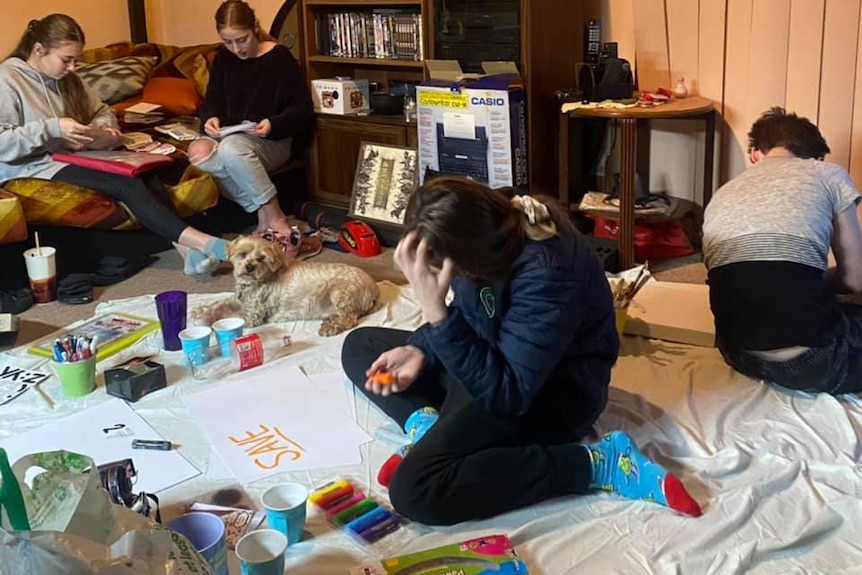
[(75, 289), (15, 301)]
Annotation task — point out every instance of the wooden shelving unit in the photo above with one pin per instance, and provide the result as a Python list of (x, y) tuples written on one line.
[(551, 40)]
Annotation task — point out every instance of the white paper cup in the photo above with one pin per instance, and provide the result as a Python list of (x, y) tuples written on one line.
[(42, 271)]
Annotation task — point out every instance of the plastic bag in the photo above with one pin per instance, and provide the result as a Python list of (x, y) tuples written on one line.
[(144, 549), (66, 495)]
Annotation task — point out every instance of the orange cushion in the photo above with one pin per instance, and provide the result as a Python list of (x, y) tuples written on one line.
[(178, 96)]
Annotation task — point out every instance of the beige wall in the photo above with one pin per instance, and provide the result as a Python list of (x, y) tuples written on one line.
[(180, 22), (187, 22), (745, 55), (103, 21)]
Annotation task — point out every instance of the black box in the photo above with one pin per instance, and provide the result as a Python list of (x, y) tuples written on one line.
[(132, 381)]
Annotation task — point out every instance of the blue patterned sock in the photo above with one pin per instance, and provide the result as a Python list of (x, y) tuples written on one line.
[(619, 466), (216, 248), (419, 422), (416, 426), (197, 263)]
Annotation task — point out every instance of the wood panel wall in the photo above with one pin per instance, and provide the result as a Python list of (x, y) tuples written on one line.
[(746, 56)]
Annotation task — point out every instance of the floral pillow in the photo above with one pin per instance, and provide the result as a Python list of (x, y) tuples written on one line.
[(116, 80)]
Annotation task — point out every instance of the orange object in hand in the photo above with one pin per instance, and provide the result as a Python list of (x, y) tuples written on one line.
[(383, 378)]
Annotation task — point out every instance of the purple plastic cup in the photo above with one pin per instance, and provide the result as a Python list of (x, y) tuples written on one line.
[(171, 307), (207, 532)]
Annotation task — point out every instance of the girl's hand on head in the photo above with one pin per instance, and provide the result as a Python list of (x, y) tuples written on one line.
[(430, 287), (212, 127), (395, 370), (263, 128), (74, 133)]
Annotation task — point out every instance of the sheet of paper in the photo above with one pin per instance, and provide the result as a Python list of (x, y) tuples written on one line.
[(15, 380), (246, 126), (276, 421), (105, 433), (459, 126), (338, 387), (143, 108)]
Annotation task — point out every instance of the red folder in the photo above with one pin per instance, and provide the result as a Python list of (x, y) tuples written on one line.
[(120, 162)]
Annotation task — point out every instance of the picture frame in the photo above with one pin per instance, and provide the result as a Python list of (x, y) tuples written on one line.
[(385, 178)]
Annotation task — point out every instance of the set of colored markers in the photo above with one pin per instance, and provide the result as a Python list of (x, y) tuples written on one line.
[(349, 508), (74, 348)]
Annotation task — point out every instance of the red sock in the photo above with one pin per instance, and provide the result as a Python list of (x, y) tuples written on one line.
[(387, 470), (678, 498)]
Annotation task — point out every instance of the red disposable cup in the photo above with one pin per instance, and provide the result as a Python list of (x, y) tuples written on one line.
[(246, 352)]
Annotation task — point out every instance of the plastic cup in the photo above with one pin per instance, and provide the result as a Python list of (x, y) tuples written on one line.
[(285, 506), (621, 314), (227, 330), (77, 378), (171, 307), (207, 533), (42, 271), (195, 342), (261, 552)]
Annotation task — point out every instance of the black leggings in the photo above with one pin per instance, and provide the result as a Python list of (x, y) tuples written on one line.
[(145, 196), (470, 464)]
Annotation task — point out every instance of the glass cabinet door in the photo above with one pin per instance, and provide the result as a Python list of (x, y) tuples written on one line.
[(475, 31)]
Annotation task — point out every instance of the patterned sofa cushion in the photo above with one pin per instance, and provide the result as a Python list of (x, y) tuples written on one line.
[(57, 203), (13, 224), (116, 80), (46, 202)]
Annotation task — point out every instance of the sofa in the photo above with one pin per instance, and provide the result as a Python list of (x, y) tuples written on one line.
[(122, 74)]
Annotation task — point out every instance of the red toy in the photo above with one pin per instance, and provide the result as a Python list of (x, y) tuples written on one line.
[(359, 239)]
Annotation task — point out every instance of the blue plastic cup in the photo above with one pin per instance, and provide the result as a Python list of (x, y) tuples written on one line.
[(261, 552), (227, 330), (285, 506), (208, 535), (196, 344)]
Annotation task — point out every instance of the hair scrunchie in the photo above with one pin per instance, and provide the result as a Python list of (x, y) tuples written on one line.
[(31, 25), (537, 222)]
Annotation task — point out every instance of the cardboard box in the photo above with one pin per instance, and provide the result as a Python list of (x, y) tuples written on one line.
[(673, 312), (473, 125), (341, 97)]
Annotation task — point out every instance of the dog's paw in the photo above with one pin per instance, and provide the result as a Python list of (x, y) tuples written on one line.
[(336, 324), (201, 315)]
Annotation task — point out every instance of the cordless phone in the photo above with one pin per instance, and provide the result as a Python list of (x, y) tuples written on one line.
[(592, 41)]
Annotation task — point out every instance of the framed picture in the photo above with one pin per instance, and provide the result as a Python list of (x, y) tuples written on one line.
[(385, 177)]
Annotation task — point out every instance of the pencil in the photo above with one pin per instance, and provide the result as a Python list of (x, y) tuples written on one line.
[(45, 396)]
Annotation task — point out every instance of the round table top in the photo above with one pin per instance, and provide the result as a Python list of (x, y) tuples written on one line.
[(675, 108)]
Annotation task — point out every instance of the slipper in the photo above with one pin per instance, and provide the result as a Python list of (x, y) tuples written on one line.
[(114, 269), (296, 247), (15, 301), (75, 289)]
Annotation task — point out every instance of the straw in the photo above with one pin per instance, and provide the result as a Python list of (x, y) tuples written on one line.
[(38, 247)]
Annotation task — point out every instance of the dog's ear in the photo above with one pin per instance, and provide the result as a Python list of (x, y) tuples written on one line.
[(232, 247), (275, 256)]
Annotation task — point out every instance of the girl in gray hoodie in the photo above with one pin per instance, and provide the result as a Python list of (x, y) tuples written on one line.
[(45, 107)]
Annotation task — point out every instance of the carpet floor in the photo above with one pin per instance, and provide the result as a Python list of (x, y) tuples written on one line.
[(166, 274)]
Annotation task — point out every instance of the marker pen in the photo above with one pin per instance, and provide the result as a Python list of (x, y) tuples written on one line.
[(336, 496), (368, 520), (340, 506), (355, 511), (157, 444), (376, 532), (327, 488)]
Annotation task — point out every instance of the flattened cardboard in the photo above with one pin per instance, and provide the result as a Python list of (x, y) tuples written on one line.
[(672, 311)]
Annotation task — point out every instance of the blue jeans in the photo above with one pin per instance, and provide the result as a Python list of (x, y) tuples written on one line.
[(241, 164), (835, 368)]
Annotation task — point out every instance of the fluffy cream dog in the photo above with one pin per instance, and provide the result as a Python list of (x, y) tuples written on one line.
[(270, 288)]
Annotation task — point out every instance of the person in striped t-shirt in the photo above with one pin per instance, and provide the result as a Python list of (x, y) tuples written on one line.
[(766, 240)]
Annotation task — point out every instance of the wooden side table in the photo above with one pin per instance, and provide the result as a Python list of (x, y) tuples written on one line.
[(635, 158)]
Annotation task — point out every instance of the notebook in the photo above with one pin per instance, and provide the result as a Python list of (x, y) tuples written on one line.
[(122, 162)]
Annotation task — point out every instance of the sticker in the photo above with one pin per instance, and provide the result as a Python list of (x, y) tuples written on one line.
[(486, 296)]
